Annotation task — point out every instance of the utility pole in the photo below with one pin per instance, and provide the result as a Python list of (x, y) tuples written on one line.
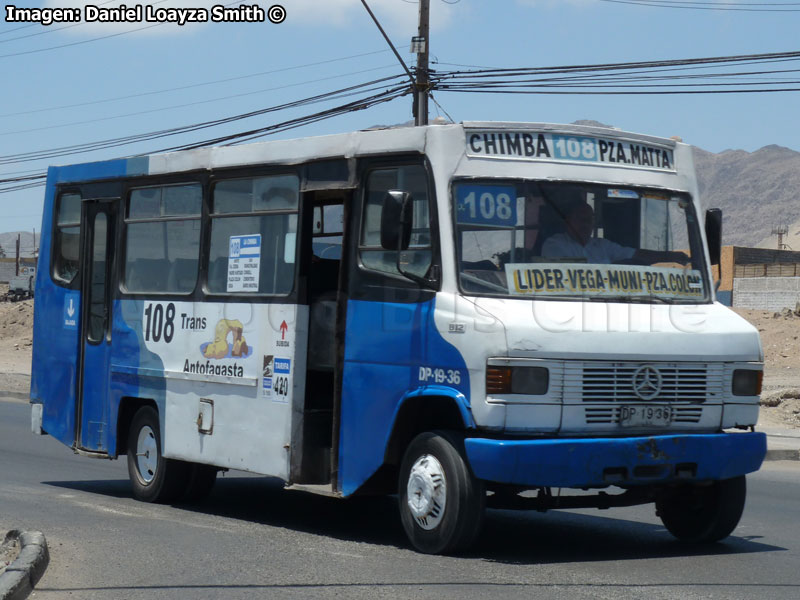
[(420, 84), (780, 231), (18, 236), (422, 44)]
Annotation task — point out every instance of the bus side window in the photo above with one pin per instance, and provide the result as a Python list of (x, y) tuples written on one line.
[(68, 233), (163, 239), (264, 211), (417, 259)]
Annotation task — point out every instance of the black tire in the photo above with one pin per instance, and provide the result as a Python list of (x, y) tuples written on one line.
[(153, 478), (703, 514), (201, 481), (440, 527)]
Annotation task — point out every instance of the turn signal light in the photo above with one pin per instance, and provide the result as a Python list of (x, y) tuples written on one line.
[(531, 381), (498, 380)]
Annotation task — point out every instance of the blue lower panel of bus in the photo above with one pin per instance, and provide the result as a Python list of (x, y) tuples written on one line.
[(601, 462), (389, 349)]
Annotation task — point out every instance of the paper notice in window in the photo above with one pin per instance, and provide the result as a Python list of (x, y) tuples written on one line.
[(244, 263)]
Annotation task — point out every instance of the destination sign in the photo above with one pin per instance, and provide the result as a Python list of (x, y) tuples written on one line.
[(559, 279), (534, 146)]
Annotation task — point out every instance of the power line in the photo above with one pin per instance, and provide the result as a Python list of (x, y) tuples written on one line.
[(633, 78), (622, 77), (245, 136), (630, 78), (122, 141), (627, 93), (755, 61), (97, 39), (389, 41), (18, 28), (721, 3), (440, 107), (195, 85), (658, 64), (627, 82), (175, 106), (23, 172), (78, 43), (50, 29), (361, 104), (721, 6)]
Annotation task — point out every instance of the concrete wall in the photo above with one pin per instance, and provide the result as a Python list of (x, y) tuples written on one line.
[(766, 293), (772, 262), (7, 271), (8, 267)]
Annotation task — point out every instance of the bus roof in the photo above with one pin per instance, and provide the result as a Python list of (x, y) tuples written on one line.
[(294, 151)]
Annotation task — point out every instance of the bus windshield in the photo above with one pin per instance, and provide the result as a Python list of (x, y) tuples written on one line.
[(524, 238)]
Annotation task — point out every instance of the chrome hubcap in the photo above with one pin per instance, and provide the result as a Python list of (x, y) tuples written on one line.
[(146, 454), (427, 492)]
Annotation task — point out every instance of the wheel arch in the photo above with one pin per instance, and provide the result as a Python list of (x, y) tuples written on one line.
[(128, 406), (426, 409)]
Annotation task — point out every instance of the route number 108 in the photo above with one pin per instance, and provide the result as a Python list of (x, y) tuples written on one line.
[(490, 206), (157, 323)]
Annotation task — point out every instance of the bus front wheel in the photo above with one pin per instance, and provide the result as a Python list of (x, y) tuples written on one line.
[(703, 513), (153, 477), (441, 501)]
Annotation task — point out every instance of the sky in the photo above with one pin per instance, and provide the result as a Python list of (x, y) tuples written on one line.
[(72, 83)]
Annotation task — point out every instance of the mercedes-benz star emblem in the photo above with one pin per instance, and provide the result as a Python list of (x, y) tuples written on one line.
[(647, 382)]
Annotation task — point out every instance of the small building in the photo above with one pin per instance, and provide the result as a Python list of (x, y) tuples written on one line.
[(8, 267), (759, 278)]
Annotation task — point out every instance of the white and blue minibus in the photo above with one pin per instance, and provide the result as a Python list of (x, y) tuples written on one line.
[(467, 315)]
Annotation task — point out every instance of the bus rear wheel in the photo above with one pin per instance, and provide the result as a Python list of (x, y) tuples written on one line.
[(441, 501), (153, 477), (703, 514)]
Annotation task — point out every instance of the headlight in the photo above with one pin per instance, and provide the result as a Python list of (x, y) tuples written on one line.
[(747, 382), (531, 381)]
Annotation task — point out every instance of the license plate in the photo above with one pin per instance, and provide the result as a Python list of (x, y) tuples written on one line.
[(645, 416)]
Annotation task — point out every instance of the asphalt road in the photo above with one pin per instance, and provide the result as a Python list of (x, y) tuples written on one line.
[(252, 539)]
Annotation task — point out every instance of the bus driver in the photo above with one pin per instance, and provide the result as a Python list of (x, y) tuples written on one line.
[(578, 242)]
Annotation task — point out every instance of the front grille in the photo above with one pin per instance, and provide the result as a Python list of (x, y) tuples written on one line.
[(614, 382)]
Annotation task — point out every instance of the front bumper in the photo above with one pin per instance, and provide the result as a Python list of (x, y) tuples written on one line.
[(599, 462)]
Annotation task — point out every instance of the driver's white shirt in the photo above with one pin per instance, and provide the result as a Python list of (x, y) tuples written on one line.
[(597, 250)]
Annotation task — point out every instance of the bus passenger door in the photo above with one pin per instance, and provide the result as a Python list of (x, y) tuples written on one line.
[(99, 220), (389, 317)]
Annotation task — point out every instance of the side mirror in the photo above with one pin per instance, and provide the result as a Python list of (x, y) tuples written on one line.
[(714, 234), (396, 219)]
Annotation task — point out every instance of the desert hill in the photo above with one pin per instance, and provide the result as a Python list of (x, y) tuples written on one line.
[(8, 243), (756, 191)]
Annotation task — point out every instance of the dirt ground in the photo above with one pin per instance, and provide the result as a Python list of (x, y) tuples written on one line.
[(780, 336), (16, 338), (9, 550)]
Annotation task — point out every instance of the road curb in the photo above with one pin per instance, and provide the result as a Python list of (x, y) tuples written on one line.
[(22, 575), (15, 395)]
